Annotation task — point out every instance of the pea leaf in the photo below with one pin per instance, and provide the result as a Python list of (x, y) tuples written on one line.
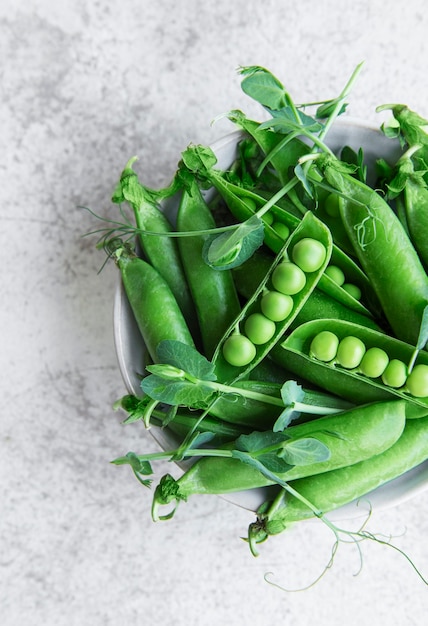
[(260, 440), (185, 393), (264, 87), (139, 466), (264, 467), (291, 392), (198, 158), (304, 451), (231, 249), (185, 357), (285, 121)]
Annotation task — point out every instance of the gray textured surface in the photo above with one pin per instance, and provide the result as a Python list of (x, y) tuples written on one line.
[(85, 85)]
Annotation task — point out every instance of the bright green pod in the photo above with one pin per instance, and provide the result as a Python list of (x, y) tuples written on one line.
[(213, 292), (309, 226), (351, 436), (383, 249), (332, 490), (294, 355)]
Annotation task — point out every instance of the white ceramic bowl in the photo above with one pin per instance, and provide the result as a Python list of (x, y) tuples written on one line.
[(131, 352)]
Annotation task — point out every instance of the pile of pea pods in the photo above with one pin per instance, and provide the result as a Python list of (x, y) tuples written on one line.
[(286, 268)]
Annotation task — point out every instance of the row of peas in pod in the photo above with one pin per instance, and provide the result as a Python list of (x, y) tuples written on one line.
[(288, 279), (374, 362), (284, 290)]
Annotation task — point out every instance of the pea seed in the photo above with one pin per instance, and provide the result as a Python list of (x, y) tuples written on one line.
[(268, 218), (350, 352), (353, 290), (259, 329), (324, 346), (288, 278), (332, 204), (250, 203), (395, 374), (335, 273), (238, 350), (281, 229), (374, 362), (417, 381), (276, 306), (309, 254)]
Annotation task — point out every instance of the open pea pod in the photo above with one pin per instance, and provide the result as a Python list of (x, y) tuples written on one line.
[(295, 354), (309, 227), (243, 203)]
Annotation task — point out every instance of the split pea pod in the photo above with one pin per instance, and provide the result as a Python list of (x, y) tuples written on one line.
[(213, 291), (153, 304), (259, 325), (383, 249), (351, 436), (331, 490), (344, 378)]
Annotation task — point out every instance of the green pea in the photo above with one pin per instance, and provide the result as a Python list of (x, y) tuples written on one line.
[(309, 254), (250, 203), (332, 205), (238, 350), (353, 290), (324, 346), (335, 273), (268, 218), (281, 229), (288, 278), (374, 362), (276, 306), (417, 381), (350, 352), (259, 329), (395, 374)]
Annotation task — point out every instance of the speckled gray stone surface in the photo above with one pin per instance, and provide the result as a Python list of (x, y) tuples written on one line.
[(84, 86)]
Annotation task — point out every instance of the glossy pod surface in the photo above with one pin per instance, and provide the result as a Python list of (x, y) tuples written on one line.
[(295, 354)]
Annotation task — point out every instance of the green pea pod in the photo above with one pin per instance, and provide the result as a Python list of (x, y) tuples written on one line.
[(310, 227), (416, 212), (331, 490), (294, 355), (351, 436), (160, 251), (243, 203), (384, 250), (153, 304), (213, 292), (319, 304)]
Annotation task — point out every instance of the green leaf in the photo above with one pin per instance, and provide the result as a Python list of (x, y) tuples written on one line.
[(300, 174), (292, 392), (139, 466), (185, 357), (260, 440), (230, 250), (184, 393), (274, 463), (264, 87), (199, 159), (305, 451), (287, 120)]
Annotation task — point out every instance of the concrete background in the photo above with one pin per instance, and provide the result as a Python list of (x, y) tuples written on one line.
[(84, 86)]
